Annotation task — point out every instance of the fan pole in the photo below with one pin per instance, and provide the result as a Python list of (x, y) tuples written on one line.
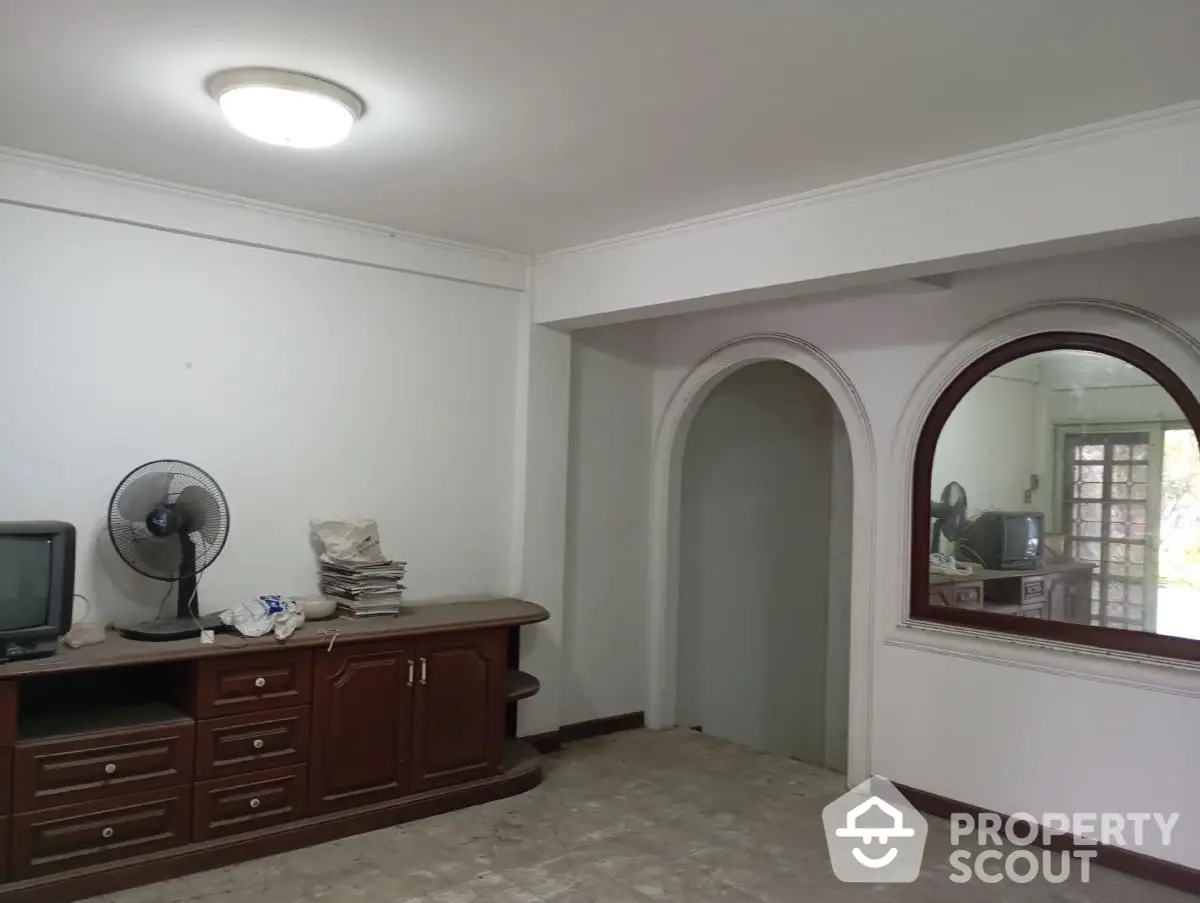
[(187, 579)]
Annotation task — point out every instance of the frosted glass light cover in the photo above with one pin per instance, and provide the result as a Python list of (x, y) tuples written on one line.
[(286, 116)]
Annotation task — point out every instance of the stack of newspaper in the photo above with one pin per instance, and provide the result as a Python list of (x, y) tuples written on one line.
[(363, 588)]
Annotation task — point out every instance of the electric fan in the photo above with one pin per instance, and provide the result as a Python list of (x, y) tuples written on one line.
[(168, 520), (950, 514)]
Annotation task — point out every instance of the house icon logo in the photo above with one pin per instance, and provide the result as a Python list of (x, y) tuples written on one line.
[(874, 834)]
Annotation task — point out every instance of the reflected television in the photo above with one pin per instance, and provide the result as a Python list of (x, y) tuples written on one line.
[(1004, 540)]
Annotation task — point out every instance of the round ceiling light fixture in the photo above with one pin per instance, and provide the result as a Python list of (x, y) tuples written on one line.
[(285, 108)]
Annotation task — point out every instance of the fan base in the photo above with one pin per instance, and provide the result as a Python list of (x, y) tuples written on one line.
[(167, 629)]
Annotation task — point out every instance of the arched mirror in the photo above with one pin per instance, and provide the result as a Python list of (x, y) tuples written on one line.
[(1057, 494)]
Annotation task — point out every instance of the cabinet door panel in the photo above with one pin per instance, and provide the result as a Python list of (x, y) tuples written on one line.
[(459, 717), (361, 725)]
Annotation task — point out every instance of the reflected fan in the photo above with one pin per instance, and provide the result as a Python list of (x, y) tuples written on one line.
[(950, 514), (168, 520)]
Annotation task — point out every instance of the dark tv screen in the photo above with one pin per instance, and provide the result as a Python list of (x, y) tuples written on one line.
[(25, 563), (1021, 537)]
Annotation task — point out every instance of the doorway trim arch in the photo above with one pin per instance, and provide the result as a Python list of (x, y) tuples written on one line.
[(666, 479)]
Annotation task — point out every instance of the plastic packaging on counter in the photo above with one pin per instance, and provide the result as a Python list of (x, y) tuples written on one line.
[(266, 614)]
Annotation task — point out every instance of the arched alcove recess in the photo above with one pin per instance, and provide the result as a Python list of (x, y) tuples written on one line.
[(1158, 347), (669, 442)]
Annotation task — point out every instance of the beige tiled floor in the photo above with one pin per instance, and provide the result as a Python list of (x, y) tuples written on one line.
[(631, 818)]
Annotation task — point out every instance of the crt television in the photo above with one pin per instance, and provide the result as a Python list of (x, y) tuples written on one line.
[(1004, 540), (37, 586)]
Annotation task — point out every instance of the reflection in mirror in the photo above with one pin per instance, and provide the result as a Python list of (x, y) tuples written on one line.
[(1066, 486)]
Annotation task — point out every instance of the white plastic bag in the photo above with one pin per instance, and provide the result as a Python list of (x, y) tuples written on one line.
[(348, 540), (264, 615)]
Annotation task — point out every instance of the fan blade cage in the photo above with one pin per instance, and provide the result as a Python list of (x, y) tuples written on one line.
[(950, 514), (195, 498)]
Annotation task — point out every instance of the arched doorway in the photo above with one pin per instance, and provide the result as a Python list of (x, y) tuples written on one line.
[(764, 566), (670, 443)]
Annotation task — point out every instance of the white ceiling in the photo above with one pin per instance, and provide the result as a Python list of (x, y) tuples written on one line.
[(1072, 370), (1069, 370), (531, 125)]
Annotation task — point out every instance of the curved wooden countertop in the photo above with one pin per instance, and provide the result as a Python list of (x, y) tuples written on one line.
[(1046, 570), (415, 618)]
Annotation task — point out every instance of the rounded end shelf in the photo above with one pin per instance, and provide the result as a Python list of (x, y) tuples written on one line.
[(520, 685)]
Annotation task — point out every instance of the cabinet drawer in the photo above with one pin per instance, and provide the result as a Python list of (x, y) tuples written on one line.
[(70, 837), (968, 595), (248, 802), (1033, 589), (1033, 611), (102, 765), (252, 742), (940, 594), (234, 684)]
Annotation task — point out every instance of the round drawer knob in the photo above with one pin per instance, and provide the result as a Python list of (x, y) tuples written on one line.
[(106, 833), (110, 768), (260, 682), (255, 803), (258, 744)]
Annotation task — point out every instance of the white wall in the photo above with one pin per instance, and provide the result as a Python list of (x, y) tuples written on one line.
[(952, 723), (540, 509), (306, 387), (607, 538), (988, 444), (754, 561)]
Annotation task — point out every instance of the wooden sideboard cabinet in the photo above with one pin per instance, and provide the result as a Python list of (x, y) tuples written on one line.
[(1061, 592), (126, 763)]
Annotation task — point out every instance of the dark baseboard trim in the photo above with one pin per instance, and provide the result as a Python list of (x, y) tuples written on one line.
[(1119, 859), (549, 742), (598, 727), (552, 741)]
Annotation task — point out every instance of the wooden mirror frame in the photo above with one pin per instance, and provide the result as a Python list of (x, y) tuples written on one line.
[(1080, 634)]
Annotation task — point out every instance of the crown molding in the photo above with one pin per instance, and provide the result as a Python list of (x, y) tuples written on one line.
[(1107, 184), (69, 187), (981, 159)]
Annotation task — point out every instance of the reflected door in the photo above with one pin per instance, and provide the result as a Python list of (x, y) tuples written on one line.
[(1110, 497)]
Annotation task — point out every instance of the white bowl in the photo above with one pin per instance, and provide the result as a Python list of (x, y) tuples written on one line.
[(318, 608)]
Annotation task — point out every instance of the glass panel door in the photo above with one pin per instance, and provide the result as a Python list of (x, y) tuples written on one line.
[(1110, 501)]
